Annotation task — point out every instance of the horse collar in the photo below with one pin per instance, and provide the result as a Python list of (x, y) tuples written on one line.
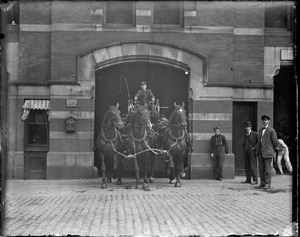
[(107, 139), (176, 138), (138, 139)]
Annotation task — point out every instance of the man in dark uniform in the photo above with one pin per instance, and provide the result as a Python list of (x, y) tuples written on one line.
[(144, 95), (266, 150), (217, 144), (250, 159)]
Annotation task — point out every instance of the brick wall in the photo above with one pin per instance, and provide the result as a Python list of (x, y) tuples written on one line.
[(81, 12), (248, 60), (35, 12), (34, 56), (248, 14)]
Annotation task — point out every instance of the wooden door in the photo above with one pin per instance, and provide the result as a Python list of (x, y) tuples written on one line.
[(36, 144), (242, 111), (35, 165)]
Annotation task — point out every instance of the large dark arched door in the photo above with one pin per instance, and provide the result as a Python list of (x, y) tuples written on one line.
[(168, 84)]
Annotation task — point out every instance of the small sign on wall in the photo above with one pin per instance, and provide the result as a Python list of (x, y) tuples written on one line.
[(286, 55), (71, 103), (70, 125)]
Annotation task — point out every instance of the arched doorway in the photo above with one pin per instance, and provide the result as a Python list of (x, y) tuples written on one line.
[(168, 84), (159, 63)]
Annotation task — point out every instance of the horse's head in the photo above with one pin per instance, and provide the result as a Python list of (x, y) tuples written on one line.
[(141, 117), (178, 116), (113, 116)]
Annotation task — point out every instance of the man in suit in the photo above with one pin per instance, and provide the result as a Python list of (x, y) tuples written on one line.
[(250, 158), (266, 150)]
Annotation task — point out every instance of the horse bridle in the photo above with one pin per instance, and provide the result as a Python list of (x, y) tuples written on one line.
[(179, 123), (112, 118)]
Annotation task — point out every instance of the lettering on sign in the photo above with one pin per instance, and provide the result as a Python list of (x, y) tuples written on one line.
[(71, 103)]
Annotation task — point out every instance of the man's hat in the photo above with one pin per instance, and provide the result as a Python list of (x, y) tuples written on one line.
[(216, 127), (265, 117), (143, 83), (248, 124)]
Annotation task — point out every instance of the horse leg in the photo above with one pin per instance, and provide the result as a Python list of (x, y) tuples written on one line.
[(120, 170), (171, 167), (137, 172), (146, 166), (115, 166), (152, 160), (178, 170), (103, 169)]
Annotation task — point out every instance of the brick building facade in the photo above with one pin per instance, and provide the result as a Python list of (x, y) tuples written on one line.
[(60, 55)]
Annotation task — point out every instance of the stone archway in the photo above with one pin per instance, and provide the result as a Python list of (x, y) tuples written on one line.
[(138, 51), (162, 53)]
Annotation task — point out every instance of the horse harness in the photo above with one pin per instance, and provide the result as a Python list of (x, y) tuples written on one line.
[(142, 139), (176, 139)]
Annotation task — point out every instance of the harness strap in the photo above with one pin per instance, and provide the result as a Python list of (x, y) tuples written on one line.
[(138, 139), (102, 133)]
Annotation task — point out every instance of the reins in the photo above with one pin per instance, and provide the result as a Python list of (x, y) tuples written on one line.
[(134, 140)]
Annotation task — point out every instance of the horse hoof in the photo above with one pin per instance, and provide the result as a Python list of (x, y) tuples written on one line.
[(115, 174), (104, 186), (177, 184), (151, 180), (119, 182), (146, 187), (172, 181)]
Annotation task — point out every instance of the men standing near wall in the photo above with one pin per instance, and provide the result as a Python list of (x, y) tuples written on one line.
[(250, 159), (266, 147), (218, 148)]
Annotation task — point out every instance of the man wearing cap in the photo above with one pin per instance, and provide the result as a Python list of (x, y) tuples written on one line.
[(218, 148), (144, 95), (250, 159), (266, 150)]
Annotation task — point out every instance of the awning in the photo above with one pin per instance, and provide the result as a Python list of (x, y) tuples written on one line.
[(37, 104), (34, 104)]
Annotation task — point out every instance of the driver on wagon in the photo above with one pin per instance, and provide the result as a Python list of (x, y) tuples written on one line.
[(144, 96)]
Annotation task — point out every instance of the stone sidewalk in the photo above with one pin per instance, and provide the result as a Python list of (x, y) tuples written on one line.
[(199, 207)]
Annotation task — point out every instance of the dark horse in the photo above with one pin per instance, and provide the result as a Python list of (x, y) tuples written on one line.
[(175, 142), (139, 142), (109, 143)]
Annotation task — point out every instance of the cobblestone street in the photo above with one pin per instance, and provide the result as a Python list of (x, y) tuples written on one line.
[(199, 207)]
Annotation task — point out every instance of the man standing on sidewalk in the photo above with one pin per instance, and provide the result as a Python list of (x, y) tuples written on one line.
[(266, 147), (217, 144), (250, 159)]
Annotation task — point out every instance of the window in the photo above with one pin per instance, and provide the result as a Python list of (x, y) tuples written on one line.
[(122, 13), (167, 13), (277, 15), (37, 128)]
